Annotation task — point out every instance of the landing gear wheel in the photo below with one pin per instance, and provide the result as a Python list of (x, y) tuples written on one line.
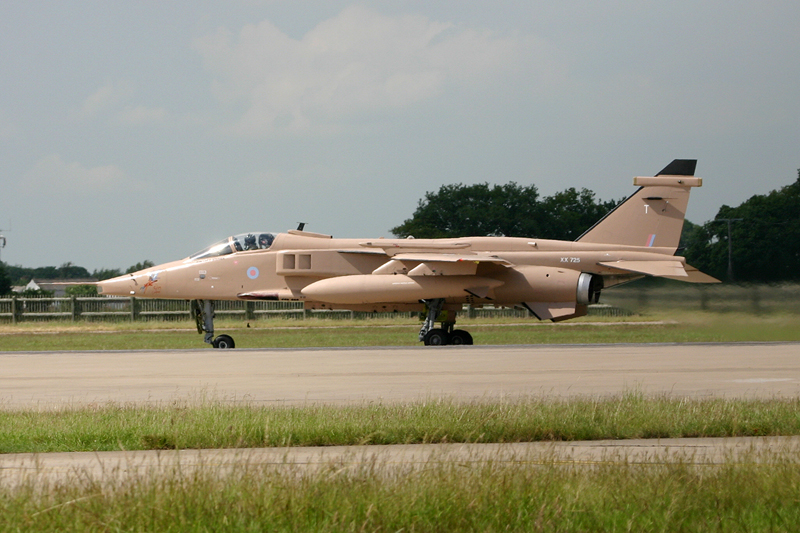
[(223, 342), (459, 337), (437, 337)]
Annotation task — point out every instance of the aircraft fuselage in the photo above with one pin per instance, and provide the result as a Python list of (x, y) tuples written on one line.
[(554, 280)]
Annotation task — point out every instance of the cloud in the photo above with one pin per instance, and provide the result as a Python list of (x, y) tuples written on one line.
[(111, 98), (354, 63), (53, 176), (143, 115), (105, 98)]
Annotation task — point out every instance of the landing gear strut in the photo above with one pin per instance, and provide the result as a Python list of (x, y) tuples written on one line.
[(432, 336), (203, 312)]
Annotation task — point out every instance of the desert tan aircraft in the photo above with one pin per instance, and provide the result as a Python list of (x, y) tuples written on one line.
[(554, 280)]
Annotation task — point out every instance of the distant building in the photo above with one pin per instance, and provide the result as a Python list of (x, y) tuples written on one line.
[(57, 286)]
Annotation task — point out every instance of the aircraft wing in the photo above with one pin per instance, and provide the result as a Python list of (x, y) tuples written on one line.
[(362, 252), (695, 276), (663, 269), (449, 258), (437, 264)]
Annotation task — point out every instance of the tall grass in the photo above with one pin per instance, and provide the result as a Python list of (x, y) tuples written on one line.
[(486, 496), (217, 424)]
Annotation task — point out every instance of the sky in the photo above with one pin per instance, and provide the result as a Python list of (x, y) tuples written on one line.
[(149, 130)]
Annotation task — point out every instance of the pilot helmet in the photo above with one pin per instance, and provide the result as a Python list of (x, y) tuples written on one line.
[(265, 240)]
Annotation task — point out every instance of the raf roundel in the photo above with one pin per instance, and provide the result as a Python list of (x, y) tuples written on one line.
[(252, 272)]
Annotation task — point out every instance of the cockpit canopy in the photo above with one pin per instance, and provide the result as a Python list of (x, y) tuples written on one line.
[(236, 243)]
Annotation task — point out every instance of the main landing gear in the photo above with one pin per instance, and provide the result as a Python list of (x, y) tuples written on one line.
[(203, 312), (432, 336)]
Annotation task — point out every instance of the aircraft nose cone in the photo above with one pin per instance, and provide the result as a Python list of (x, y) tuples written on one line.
[(142, 284), (119, 286)]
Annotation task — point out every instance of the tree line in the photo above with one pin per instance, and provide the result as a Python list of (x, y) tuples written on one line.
[(763, 244), (764, 241), (15, 275), (508, 210)]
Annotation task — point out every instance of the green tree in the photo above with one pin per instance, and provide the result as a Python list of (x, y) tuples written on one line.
[(19, 275), (5, 280), (106, 273), (569, 213), (764, 241), (140, 266), (48, 272), (69, 270), (688, 236), (474, 210), (507, 210), (81, 290)]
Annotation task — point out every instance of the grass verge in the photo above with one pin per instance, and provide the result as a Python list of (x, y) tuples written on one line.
[(657, 327), (217, 424), (488, 496)]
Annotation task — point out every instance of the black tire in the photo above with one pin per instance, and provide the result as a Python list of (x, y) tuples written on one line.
[(224, 342), (459, 337), (437, 337)]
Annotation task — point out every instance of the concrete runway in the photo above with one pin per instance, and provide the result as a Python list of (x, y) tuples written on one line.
[(292, 376)]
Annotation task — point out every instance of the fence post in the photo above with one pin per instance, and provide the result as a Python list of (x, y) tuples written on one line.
[(249, 310), (642, 298), (14, 308), (73, 307), (755, 299), (703, 298), (135, 308)]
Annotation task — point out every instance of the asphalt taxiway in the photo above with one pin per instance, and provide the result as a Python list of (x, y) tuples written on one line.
[(295, 376)]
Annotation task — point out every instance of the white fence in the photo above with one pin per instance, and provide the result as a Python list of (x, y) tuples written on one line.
[(25, 309)]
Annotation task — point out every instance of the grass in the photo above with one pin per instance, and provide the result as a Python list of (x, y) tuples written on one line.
[(757, 493), (219, 424), (750, 495), (694, 326), (490, 496)]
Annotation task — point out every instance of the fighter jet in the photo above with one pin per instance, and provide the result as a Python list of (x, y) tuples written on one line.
[(554, 280)]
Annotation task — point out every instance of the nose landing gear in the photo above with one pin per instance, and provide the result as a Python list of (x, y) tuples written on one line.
[(203, 312), (223, 341)]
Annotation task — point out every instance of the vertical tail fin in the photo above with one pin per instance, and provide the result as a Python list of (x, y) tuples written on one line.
[(653, 215)]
